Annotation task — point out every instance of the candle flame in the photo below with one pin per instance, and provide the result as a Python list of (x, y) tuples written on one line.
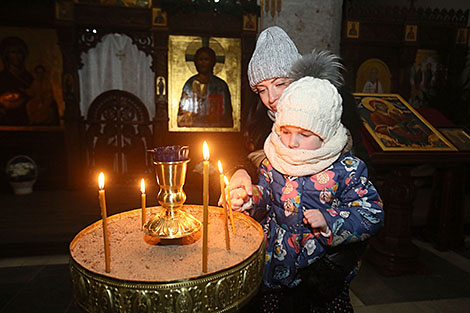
[(101, 181), (142, 186), (205, 150), (220, 167), (226, 180)]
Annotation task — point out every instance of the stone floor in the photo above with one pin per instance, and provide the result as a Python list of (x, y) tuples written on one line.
[(35, 231), (42, 284)]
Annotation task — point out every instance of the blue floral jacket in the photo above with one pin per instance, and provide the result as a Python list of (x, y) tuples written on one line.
[(349, 202)]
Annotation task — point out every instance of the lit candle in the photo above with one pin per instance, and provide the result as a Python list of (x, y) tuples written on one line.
[(105, 222), (224, 206), (143, 200), (205, 201), (229, 204)]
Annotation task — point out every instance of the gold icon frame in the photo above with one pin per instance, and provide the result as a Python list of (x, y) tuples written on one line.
[(408, 121), (228, 51)]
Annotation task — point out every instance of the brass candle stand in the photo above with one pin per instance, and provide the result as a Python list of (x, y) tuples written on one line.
[(170, 165), (225, 288)]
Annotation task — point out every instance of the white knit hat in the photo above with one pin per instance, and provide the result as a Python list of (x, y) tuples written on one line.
[(273, 57), (313, 104)]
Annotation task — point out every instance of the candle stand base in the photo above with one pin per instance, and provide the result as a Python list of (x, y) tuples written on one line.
[(178, 224)]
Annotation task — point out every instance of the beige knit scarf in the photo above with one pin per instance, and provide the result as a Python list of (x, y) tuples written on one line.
[(300, 162)]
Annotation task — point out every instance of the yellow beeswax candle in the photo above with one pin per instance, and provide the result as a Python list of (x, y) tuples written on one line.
[(104, 217), (143, 199), (224, 206), (205, 201), (229, 204)]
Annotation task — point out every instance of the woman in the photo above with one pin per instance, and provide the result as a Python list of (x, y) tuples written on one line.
[(275, 63), (270, 71)]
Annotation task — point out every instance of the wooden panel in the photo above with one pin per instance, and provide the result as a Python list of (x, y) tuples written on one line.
[(205, 23), (382, 34), (118, 17)]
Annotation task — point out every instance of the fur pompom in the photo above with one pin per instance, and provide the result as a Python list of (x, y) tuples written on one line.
[(318, 64)]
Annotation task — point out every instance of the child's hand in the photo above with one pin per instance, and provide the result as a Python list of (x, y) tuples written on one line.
[(241, 179), (240, 199), (240, 189), (315, 219)]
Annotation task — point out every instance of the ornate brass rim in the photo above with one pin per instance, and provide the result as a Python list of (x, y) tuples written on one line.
[(223, 291)]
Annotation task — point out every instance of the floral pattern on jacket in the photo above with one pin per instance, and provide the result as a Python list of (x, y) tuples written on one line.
[(348, 201)]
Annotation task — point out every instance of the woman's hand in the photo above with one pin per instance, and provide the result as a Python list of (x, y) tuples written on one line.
[(315, 219), (240, 189)]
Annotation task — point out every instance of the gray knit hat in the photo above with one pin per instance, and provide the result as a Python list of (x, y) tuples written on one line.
[(313, 104), (273, 57)]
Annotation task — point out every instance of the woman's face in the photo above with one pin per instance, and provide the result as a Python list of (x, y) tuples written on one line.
[(270, 90)]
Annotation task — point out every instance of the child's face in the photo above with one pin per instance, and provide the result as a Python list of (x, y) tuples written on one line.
[(298, 138)]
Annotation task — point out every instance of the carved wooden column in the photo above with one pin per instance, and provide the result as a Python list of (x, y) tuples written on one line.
[(73, 121), (249, 98), (408, 53), (160, 57), (446, 214), (392, 251)]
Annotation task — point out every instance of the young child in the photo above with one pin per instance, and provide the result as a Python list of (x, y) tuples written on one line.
[(312, 194)]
